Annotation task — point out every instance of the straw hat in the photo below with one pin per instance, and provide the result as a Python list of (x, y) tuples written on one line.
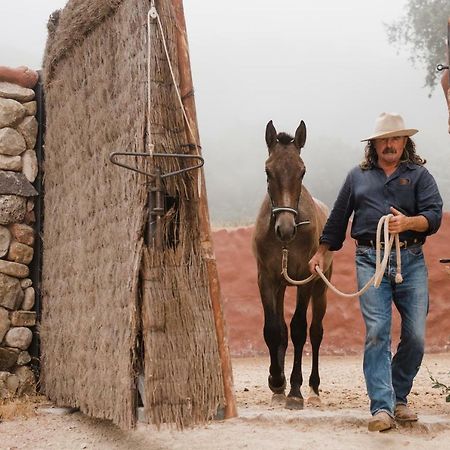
[(390, 125)]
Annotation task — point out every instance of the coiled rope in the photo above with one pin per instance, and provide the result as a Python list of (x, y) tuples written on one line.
[(380, 264)]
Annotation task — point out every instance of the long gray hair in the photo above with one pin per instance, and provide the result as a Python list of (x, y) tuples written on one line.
[(409, 155)]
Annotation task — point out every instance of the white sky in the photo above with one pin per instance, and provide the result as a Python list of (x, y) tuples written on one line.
[(327, 62)]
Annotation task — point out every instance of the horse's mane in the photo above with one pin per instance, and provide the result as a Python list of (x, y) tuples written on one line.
[(284, 138)]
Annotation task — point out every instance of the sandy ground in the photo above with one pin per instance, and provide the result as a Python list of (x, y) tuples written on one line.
[(340, 423)]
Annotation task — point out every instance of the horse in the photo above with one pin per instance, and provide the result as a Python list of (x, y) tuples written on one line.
[(290, 218)]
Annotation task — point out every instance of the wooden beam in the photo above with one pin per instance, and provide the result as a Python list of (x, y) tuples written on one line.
[(187, 95)]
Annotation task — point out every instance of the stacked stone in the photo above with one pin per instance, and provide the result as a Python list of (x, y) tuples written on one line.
[(18, 170)]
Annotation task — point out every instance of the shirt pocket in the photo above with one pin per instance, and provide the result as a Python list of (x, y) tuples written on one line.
[(405, 198)]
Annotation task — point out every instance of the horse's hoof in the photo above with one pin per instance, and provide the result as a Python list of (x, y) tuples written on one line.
[(278, 399), (294, 403), (277, 389), (314, 400), (313, 397)]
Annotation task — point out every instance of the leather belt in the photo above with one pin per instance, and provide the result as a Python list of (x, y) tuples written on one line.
[(403, 244)]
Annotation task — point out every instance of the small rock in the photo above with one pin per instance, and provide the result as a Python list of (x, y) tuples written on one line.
[(19, 337), (30, 206), (29, 218), (28, 128), (29, 298), (20, 253), (8, 357), (12, 209), (23, 319), (12, 142), (16, 183), (22, 233), (4, 375), (5, 323), (13, 163), (23, 358), (11, 112), (31, 108), (30, 165), (11, 294), (12, 384), (26, 380), (16, 92), (25, 283), (5, 240), (14, 269)]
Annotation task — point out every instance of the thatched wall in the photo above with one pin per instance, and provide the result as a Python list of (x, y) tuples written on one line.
[(93, 302)]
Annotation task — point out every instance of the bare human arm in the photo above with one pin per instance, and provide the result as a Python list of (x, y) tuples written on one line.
[(400, 222), (318, 258)]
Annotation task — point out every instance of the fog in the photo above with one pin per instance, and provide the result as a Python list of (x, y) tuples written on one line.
[(327, 63)]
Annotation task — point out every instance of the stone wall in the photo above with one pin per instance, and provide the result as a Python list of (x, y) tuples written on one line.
[(18, 170)]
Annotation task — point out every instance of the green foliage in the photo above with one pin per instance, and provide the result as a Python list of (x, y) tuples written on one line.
[(438, 385), (423, 28)]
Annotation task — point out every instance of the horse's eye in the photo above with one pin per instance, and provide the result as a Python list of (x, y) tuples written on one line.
[(302, 173), (268, 174)]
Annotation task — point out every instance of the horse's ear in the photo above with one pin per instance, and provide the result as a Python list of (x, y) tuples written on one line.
[(300, 135), (271, 135)]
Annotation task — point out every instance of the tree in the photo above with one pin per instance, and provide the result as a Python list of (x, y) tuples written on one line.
[(423, 28)]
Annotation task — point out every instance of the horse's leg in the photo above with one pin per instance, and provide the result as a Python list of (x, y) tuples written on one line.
[(275, 330), (319, 306), (298, 336)]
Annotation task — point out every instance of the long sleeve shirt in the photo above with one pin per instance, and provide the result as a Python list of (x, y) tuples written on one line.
[(369, 194)]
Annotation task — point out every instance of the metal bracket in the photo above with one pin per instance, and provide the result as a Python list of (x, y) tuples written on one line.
[(441, 67), (156, 201), (113, 155)]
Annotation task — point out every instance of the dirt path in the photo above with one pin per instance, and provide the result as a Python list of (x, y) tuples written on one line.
[(340, 423)]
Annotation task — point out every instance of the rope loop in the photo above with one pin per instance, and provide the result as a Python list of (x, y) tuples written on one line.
[(380, 263)]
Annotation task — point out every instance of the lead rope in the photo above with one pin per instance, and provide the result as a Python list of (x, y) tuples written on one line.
[(153, 13), (380, 265)]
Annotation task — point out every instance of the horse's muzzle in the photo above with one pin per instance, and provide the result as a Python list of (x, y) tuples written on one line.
[(285, 228)]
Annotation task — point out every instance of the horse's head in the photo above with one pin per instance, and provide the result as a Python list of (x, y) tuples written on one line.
[(285, 170)]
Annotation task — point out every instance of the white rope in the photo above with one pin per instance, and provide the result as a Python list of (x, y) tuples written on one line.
[(380, 265), (153, 13), (150, 14)]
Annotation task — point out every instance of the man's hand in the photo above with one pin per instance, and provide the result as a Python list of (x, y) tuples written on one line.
[(400, 222), (318, 258)]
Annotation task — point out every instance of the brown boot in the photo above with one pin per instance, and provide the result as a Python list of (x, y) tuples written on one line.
[(381, 421), (404, 414)]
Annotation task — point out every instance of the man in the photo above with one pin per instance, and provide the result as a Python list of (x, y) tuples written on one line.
[(390, 180)]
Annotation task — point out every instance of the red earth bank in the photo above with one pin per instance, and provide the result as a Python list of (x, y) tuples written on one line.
[(343, 325)]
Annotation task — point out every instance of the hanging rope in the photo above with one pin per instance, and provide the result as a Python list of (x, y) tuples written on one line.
[(380, 264), (153, 14)]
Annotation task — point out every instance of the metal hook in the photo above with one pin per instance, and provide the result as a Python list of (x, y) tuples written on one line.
[(113, 155)]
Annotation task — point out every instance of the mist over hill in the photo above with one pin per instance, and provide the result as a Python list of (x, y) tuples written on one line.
[(236, 181)]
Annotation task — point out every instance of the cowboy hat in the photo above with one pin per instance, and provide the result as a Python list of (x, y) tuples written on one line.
[(390, 125)]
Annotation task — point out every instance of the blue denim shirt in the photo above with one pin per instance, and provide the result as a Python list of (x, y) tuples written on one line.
[(369, 194)]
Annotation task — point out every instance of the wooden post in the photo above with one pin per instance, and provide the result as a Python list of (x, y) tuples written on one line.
[(187, 95), (447, 81)]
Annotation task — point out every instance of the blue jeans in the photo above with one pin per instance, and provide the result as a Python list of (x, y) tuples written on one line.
[(389, 380)]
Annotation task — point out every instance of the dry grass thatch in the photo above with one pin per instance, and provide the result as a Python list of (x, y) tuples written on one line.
[(93, 302), (23, 407)]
